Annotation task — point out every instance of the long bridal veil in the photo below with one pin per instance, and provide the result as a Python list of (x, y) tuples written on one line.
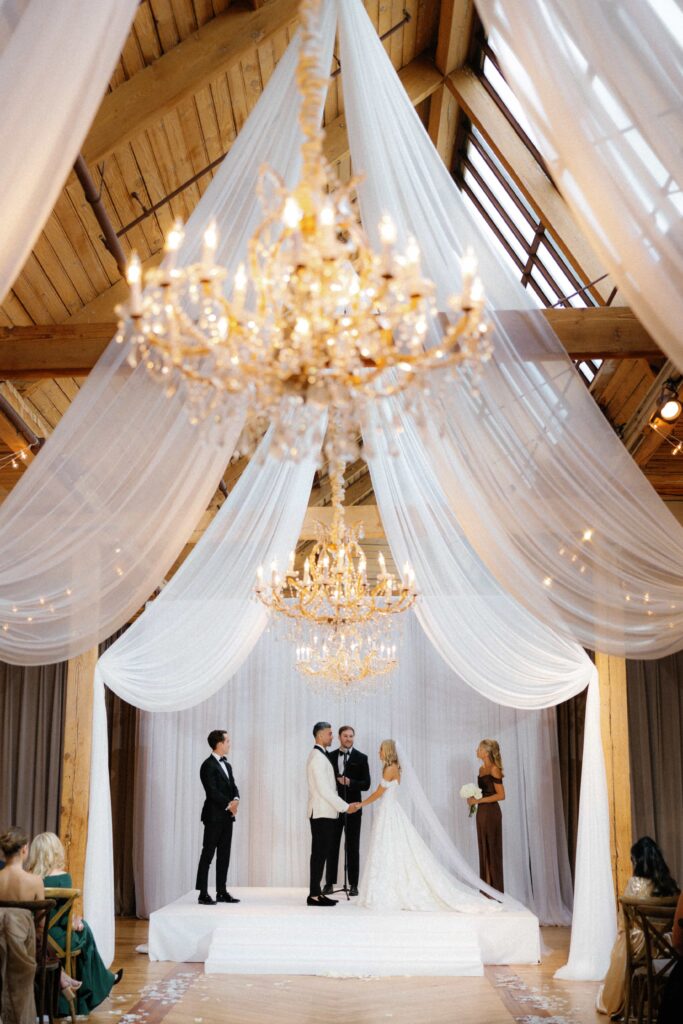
[(423, 815)]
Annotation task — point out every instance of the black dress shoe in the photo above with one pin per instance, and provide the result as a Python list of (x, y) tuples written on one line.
[(205, 899), (328, 889), (327, 902), (118, 976), (321, 901), (225, 897), (353, 891)]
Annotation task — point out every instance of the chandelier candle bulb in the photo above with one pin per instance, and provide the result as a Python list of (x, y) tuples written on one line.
[(173, 243), (210, 244), (134, 278)]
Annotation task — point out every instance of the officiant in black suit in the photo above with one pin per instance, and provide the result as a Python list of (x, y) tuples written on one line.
[(353, 778), (218, 815)]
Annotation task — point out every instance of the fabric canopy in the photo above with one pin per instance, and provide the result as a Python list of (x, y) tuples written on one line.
[(544, 489), (48, 104), (601, 85), (90, 529)]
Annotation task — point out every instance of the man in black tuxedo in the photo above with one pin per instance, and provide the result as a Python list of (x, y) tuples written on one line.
[(353, 778), (218, 815)]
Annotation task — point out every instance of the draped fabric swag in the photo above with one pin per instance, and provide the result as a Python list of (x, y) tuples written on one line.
[(601, 85), (50, 99)]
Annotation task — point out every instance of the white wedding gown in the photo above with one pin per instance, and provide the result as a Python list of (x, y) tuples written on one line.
[(401, 873)]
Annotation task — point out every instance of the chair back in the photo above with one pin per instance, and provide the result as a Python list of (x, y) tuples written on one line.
[(64, 899), (655, 919)]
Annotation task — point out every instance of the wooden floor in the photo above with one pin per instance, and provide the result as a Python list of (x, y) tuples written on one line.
[(183, 994)]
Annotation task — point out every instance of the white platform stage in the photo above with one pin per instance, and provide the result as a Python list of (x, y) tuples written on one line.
[(272, 931)]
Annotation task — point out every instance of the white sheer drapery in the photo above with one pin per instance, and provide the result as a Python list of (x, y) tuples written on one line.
[(507, 652), (193, 637), (89, 531), (502, 652), (528, 463), (601, 85), (48, 103), (269, 712)]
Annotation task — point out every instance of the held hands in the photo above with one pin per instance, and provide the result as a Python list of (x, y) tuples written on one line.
[(471, 801), (343, 781), (353, 808)]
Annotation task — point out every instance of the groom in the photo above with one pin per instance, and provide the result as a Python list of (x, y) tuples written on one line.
[(324, 805)]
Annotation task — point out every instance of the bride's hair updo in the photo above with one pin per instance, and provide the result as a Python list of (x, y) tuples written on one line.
[(493, 750), (389, 754)]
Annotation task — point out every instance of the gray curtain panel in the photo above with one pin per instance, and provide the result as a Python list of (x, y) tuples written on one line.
[(571, 715), (655, 723), (32, 701)]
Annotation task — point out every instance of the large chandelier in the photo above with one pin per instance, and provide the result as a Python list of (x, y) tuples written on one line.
[(340, 624), (316, 319)]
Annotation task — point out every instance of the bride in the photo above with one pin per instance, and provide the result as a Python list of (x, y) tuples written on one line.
[(401, 872)]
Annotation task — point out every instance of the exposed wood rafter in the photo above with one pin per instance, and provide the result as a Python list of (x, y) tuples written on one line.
[(72, 349)]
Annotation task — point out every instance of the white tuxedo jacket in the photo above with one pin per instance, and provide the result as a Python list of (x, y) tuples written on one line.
[(323, 799)]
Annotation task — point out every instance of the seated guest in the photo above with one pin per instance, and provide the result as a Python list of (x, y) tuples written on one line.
[(672, 994), (47, 860), (651, 879), (17, 933)]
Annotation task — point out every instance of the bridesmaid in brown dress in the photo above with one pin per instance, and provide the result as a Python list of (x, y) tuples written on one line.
[(489, 817)]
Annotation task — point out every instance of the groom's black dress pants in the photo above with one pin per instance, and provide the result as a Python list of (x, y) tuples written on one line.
[(218, 840), (353, 823), (323, 831)]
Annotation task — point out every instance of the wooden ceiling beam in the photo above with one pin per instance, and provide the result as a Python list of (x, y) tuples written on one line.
[(190, 66), (523, 167), (455, 31), (71, 350)]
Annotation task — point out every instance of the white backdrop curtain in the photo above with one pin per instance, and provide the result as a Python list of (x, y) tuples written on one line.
[(89, 531), (601, 85), (48, 103), (528, 461), (269, 711)]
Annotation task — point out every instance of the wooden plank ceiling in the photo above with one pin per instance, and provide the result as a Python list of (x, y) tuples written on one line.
[(189, 75)]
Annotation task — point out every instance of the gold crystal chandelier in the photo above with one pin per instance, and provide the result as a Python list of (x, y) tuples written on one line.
[(316, 319), (340, 623)]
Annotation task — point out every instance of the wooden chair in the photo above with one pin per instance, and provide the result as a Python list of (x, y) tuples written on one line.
[(635, 968), (64, 899), (656, 922), (47, 971)]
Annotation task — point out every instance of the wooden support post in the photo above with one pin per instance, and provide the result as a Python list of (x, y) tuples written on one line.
[(75, 796), (614, 727)]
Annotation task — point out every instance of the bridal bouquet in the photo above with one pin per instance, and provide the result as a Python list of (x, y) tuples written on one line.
[(470, 789)]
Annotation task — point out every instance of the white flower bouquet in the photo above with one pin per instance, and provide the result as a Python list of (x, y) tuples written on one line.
[(471, 789)]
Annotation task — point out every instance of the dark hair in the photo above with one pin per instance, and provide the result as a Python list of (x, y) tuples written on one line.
[(648, 863), (12, 841), (216, 736), (319, 726), (345, 728)]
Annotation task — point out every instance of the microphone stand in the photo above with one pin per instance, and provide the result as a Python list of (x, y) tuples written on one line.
[(345, 887)]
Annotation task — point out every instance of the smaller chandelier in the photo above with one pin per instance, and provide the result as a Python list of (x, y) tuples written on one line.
[(316, 319), (342, 625), (345, 662)]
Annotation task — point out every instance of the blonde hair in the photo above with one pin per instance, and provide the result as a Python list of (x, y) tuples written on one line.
[(46, 856), (493, 750), (388, 754)]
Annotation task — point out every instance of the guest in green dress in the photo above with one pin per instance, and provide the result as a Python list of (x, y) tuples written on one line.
[(46, 858)]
